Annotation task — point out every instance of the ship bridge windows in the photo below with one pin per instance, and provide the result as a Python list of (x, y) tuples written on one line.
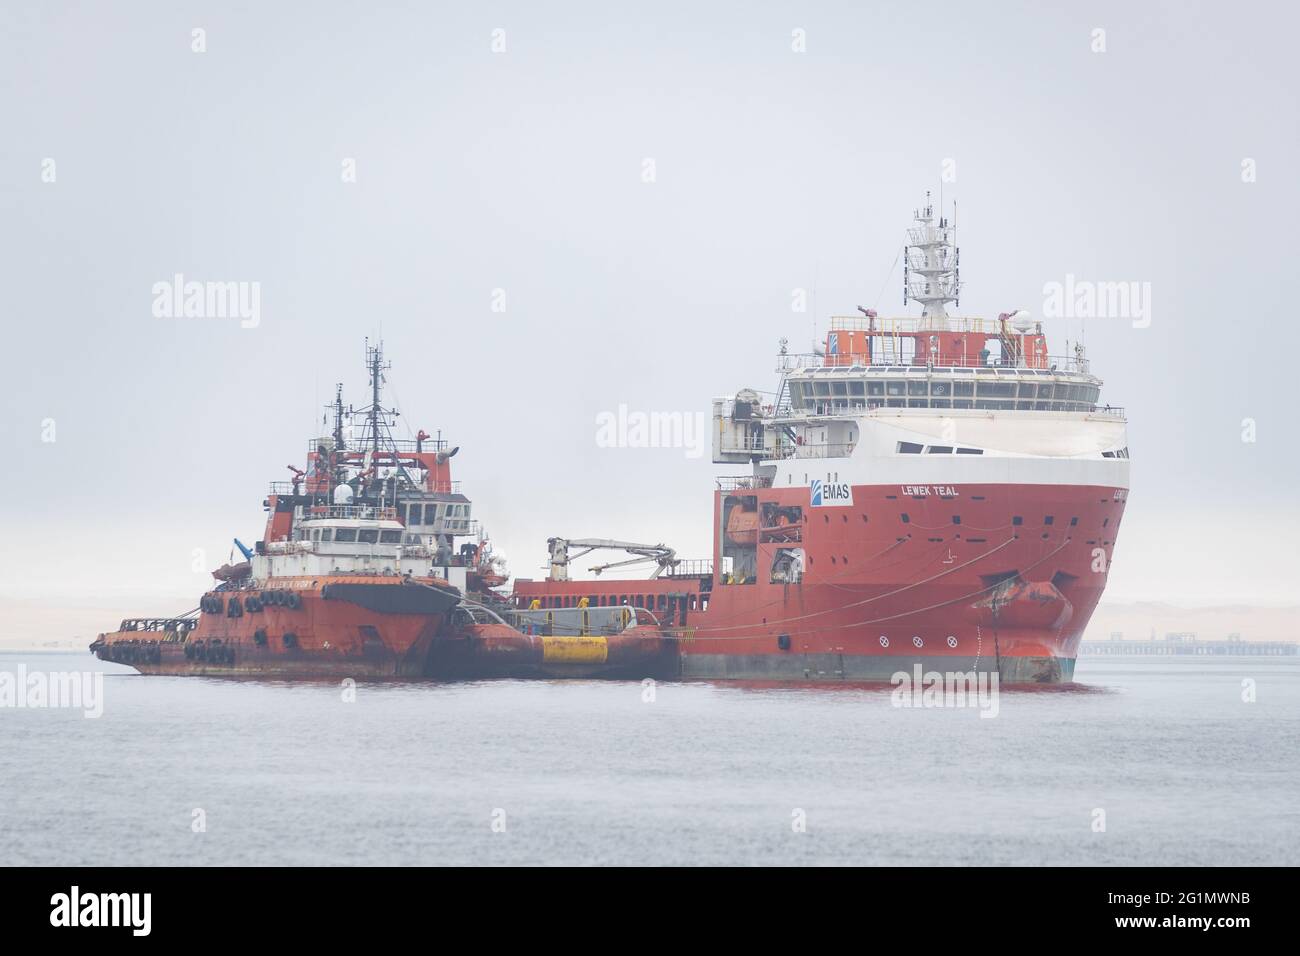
[(387, 536), (851, 388), (914, 448), (345, 534), (368, 535), (996, 390)]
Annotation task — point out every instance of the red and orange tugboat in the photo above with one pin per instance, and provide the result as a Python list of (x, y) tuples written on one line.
[(938, 491), (358, 575)]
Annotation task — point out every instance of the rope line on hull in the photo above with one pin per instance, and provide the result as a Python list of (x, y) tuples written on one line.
[(865, 601), (691, 633)]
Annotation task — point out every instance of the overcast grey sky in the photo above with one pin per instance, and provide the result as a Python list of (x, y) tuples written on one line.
[(522, 171)]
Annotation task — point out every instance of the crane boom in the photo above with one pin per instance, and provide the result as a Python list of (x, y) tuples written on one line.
[(665, 558)]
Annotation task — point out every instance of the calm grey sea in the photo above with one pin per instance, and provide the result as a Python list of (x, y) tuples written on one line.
[(581, 773)]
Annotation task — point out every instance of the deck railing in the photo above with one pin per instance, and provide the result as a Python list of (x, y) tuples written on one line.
[(793, 361), (159, 624)]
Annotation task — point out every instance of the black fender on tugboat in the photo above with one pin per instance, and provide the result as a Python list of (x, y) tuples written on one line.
[(394, 598)]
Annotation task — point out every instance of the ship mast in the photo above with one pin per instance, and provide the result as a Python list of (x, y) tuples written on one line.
[(376, 415), (375, 360), (377, 418), (334, 471), (338, 417), (932, 254)]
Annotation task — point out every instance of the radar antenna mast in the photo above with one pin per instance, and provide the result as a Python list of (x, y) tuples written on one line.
[(930, 266)]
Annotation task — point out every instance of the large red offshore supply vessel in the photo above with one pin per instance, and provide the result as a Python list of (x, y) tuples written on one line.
[(928, 490), (933, 491)]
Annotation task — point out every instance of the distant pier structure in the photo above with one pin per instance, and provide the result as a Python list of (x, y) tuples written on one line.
[(1187, 643)]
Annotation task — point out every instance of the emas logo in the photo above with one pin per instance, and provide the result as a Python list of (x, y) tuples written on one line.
[(827, 493)]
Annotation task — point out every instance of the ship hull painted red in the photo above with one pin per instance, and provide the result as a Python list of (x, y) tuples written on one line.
[(320, 637), (375, 628), (983, 577), (254, 663)]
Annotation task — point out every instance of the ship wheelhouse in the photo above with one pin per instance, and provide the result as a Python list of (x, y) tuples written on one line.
[(837, 389), (353, 540), (883, 387)]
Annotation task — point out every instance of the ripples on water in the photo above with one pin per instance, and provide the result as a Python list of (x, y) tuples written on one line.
[(588, 772)]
